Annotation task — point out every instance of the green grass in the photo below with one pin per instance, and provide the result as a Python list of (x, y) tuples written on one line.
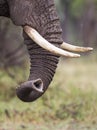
[(69, 104)]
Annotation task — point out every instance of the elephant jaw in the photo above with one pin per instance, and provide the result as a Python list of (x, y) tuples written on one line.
[(30, 90)]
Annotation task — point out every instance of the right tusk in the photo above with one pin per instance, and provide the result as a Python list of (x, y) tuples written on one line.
[(38, 39), (69, 47)]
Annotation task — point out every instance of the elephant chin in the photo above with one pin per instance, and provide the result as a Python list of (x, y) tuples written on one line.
[(31, 90)]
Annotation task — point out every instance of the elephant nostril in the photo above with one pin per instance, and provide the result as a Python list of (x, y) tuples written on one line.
[(38, 85)]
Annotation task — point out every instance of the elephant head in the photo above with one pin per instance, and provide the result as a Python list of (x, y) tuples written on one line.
[(43, 37)]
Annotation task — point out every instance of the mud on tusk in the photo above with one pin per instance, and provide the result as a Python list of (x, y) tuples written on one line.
[(69, 47), (38, 39)]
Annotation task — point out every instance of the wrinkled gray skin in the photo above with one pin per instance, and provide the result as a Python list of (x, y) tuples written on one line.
[(42, 16)]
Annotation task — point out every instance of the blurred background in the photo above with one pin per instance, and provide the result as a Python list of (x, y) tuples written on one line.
[(71, 100)]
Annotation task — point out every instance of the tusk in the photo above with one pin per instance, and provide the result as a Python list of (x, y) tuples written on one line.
[(38, 39), (69, 47)]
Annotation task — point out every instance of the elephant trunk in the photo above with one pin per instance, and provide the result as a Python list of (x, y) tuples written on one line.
[(43, 63), (42, 69)]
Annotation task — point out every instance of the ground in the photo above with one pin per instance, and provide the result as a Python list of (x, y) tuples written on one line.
[(69, 104)]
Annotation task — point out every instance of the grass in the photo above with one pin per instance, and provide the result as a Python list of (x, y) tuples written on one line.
[(69, 104)]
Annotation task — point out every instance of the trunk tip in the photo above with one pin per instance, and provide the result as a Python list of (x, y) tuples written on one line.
[(30, 90)]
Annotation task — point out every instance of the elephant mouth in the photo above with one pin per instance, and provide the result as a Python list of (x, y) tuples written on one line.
[(30, 89)]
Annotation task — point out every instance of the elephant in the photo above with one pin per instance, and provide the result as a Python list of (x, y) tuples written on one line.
[(43, 37)]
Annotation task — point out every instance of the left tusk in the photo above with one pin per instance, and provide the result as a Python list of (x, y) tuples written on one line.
[(38, 39), (69, 47)]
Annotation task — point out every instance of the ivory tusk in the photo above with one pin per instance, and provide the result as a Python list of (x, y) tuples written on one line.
[(38, 39), (69, 47)]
